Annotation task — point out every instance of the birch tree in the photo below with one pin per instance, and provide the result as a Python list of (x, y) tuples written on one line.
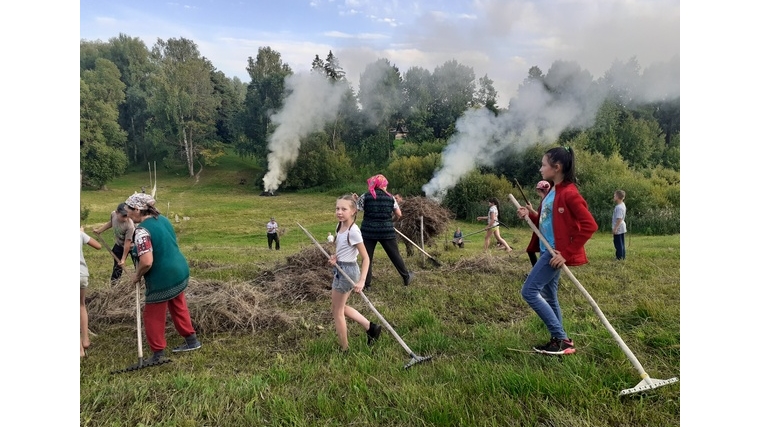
[(183, 101)]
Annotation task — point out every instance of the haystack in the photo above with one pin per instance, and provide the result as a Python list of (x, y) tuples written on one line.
[(217, 306), (435, 221), (304, 277), (214, 306)]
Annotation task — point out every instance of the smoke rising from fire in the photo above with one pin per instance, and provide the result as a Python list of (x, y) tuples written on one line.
[(568, 97), (312, 101)]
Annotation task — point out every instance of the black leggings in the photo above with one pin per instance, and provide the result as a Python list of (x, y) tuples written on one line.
[(391, 248)]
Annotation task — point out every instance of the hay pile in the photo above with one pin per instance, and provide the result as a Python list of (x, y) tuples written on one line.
[(216, 306), (305, 276), (491, 264), (435, 221)]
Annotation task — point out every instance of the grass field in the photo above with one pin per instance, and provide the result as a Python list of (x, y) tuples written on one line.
[(473, 322)]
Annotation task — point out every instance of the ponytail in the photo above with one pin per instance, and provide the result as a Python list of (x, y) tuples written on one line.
[(565, 157)]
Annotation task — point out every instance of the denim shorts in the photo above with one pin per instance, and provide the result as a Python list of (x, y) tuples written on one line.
[(340, 283)]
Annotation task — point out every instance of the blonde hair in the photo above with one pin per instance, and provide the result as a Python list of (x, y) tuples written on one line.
[(349, 198)]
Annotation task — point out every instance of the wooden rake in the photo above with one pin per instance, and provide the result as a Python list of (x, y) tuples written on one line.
[(435, 261), (414, 358), (646, 383), (141, 362), (480, 231)]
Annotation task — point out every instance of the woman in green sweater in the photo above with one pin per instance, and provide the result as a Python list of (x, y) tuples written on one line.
[(166, 274)]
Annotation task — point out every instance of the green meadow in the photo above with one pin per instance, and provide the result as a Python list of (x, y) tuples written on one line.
[(467, 314)]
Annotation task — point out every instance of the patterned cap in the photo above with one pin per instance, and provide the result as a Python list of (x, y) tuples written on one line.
[(140, 201), (543, 185)]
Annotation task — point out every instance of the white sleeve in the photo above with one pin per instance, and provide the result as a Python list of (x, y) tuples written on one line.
[(355, 234)]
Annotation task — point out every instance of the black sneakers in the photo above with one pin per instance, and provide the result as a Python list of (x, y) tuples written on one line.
[(409, 280), (191, 343), (556, 347), (157, 358), (373, 333)]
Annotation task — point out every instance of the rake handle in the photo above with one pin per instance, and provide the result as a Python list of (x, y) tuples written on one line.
[(139, 322), (521, 192), (416, 246), (108, 248), (597, 310), (480, 231), (366, 300)]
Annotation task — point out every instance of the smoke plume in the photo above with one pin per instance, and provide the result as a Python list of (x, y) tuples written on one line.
[(312, 101), (567, 97)]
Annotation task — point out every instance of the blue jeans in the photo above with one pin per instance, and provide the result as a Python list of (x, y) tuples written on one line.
[(540, 292), (340, 283), (619, 241)]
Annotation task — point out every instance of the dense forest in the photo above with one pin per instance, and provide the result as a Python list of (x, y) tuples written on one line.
[(439, 133)]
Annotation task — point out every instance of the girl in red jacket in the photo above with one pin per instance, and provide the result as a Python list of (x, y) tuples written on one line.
[(565, 221)]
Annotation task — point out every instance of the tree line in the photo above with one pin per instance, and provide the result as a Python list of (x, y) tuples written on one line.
[(168, 103)]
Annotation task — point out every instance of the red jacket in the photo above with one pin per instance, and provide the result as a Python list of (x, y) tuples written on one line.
[(572, 223)]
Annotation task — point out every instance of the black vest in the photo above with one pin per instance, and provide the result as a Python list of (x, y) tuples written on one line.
[(377, 223)]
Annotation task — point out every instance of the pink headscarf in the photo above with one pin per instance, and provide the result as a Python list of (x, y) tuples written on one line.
[(377, 181)]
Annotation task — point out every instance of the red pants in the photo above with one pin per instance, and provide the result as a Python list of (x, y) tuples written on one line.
[(154, 316)]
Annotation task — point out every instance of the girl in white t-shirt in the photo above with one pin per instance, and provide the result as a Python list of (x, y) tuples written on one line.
[(493, 222), (349, 244)]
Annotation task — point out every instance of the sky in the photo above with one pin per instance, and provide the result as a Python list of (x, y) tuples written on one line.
[(502, 39)]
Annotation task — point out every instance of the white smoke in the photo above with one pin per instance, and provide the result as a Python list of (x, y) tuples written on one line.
[(539, 115), (312, 101)]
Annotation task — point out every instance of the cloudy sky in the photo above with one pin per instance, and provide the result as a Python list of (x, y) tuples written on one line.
[(501, 38)]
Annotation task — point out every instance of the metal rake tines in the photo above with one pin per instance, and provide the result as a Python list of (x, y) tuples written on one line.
[(417, 359), (644, 386)]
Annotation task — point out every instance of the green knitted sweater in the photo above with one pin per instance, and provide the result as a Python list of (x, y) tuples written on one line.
[(170, 272)]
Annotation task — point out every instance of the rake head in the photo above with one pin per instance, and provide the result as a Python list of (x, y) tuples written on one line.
[(647, 384), (142, 364), (416, 359)]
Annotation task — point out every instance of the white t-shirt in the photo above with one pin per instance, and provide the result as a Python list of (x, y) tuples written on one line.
[(83, 270), (271, 227), (619, 213), (495, 211), (344, 251)]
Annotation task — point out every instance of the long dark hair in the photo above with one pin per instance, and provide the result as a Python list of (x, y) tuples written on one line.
[(495, 201), (350, 198), (565, 157)]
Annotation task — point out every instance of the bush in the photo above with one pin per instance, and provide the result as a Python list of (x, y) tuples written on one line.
[(84, 213), (318, 165), (652, 196), (650, 222), (408, 149), (469, 198), (407, 175)]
